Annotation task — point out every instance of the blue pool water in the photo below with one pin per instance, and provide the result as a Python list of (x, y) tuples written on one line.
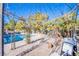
[(8, 38)]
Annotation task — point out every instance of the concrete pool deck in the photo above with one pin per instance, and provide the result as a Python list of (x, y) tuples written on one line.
[(21, 46)]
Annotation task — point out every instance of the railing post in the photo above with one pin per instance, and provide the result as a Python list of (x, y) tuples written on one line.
[(1, 45)]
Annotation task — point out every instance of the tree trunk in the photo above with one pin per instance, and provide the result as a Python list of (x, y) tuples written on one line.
[(13, 41)]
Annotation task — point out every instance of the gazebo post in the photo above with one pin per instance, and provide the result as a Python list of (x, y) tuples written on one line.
[(1, 41)]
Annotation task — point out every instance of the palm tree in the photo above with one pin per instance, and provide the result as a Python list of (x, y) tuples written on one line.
[(12, 29), (37, 19), (20, 25)]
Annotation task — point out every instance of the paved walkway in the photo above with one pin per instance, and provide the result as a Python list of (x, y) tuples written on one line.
[(42, 50)]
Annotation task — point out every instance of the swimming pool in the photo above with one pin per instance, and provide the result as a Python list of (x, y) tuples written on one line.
[(8, 37)]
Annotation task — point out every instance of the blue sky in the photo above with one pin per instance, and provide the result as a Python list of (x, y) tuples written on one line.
[(26, 9)]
